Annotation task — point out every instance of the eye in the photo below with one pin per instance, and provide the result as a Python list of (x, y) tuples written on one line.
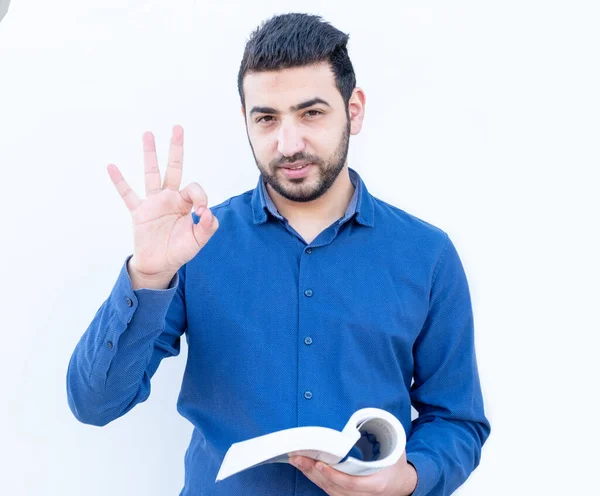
[(317, 112), (261, 119)]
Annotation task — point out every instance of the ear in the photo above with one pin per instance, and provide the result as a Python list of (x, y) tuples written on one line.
[(356, 110)]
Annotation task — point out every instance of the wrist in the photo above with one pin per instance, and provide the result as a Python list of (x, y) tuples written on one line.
[(409, 480), (139, 281)]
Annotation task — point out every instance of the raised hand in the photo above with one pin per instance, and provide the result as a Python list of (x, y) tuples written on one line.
[(164, 234)]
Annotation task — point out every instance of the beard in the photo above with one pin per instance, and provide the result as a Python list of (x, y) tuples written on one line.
[(305, 189)]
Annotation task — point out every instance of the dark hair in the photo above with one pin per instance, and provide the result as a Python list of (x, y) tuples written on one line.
[(295, 40)]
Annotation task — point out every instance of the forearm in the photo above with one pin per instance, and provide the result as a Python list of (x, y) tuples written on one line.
[(444, 453), (108, 371), (446, 439)]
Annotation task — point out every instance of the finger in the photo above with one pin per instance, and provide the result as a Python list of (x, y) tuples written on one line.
[(206, 227), (173, 174), (129, 197), (208, 223), (307, 467), (320, 481), (338, 482), (194, 194), (151, 170)]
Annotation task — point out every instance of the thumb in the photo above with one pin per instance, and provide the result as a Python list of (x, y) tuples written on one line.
[(205, 225)]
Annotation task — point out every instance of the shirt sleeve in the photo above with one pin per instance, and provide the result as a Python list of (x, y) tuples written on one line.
[(446, 439), (110, 369)]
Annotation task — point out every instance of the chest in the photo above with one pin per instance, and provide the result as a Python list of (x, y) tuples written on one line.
[(272, 297)]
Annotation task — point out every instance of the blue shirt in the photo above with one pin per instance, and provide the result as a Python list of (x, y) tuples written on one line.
[(374, 312), (266, 199)]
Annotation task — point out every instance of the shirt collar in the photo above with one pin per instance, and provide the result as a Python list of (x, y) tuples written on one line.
[(360, 204)]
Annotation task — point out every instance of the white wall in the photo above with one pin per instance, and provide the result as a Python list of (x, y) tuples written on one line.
[(3, 8), (482, 119)]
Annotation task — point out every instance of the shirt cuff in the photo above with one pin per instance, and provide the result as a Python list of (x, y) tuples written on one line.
[(428, 473), (153, 302)]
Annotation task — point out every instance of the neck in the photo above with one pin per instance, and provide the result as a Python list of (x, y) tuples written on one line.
[(324, 210)]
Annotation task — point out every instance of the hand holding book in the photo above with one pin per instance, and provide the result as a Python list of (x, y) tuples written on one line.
[(372, 440), (398, 480)]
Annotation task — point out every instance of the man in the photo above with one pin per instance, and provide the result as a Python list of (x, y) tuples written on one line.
[(302, 300)]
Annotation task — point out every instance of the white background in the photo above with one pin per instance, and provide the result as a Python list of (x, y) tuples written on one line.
[(481, 118)]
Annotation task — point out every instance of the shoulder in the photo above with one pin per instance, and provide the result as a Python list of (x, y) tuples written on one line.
[(234, 204), (399, 220), (420, 242)]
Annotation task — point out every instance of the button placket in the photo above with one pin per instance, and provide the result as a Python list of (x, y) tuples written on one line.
[(306, 364)]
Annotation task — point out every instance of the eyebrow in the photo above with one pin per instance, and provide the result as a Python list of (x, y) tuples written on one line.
[(293, 108)]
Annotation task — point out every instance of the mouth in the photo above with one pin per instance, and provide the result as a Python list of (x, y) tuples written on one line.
[(296, 165), (295, 171)]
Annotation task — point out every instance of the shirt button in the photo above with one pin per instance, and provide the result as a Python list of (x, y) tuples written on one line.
[(308, 250), (308, 292), (307, 340), (129, 302), (307, 395), (109, 344)]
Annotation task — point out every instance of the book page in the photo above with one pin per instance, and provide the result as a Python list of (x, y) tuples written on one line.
[(327, 444), (371, 440), (381, 444)]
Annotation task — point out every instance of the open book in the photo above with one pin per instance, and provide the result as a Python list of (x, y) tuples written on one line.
[(372, 439)]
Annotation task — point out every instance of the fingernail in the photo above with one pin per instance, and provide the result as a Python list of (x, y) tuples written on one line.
[(319, 466)]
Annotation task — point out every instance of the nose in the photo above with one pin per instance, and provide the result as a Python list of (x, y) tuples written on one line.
[(289, 139)]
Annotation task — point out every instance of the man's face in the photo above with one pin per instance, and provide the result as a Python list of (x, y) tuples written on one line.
[(293, 117)]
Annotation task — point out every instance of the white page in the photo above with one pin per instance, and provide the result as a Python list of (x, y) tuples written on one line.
[(322, 443)]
